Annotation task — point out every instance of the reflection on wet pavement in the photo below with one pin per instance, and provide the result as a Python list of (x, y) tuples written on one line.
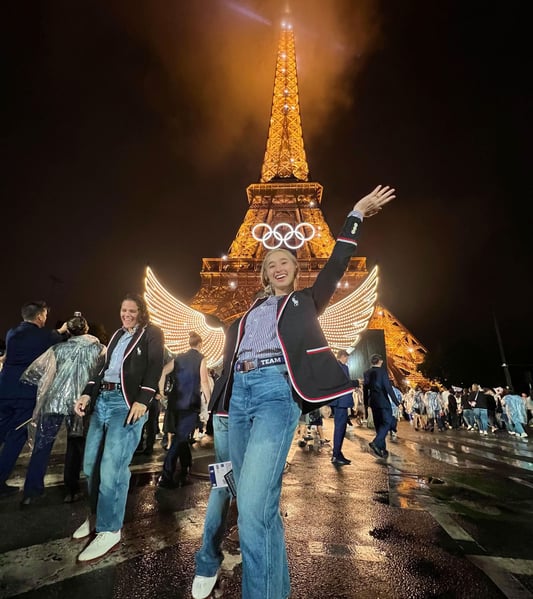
[(410, 491), (446, 457)]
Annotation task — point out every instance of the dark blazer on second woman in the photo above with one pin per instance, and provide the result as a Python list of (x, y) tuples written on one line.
[(141, 367)]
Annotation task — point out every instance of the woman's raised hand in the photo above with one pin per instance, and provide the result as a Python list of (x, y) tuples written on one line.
[(373, 202)]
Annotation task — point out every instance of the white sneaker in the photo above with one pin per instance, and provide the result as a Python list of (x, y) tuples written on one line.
[(103, 543), (523, 435), (203, 585), (485, 432), (84, 530)]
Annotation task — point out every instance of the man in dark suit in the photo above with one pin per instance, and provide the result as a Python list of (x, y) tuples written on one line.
[(25, 343), (377, 390), (340, 414), (191, 379)]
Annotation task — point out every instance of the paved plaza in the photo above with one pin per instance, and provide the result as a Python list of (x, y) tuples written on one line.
[(446, 515)]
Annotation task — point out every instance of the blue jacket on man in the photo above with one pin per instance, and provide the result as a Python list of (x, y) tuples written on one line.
[(24, 343), (377, 390)]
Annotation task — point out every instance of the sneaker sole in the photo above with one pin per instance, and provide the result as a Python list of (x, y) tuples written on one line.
[(94, 559)]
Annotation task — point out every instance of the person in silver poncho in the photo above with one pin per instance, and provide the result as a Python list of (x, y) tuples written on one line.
[(60, 374)]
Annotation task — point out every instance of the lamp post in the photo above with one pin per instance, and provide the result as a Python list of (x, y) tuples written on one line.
[(502, 354)]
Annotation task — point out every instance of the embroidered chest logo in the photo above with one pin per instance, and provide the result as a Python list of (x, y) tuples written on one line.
[(139, 352), (294, 302), (354, 228)]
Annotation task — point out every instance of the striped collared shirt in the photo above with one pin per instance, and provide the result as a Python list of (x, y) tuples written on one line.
[(260, 339), (112, 374)]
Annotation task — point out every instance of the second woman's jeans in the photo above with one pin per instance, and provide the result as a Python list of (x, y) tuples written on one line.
[(109, 449), (262, 419)]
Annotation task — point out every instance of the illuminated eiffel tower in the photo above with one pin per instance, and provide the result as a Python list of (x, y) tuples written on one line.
[(285, 198), (284, 195)]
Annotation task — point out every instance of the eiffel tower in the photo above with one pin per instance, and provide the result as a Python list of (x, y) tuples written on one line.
[(285, 197)]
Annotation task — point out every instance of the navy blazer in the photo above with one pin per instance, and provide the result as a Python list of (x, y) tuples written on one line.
[(141, 367), (377, 388), (24, 344), (313, 369)]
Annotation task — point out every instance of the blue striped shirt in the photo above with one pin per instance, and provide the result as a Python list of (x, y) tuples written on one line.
[(112, 374), (260, 339)]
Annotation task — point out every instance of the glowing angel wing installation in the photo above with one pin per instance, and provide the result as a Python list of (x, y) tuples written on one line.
[(344, 321), (177, 320)]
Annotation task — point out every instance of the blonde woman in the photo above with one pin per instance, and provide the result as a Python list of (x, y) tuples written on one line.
[(281, 366)]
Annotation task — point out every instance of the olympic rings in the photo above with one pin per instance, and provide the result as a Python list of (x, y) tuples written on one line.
[(282, 233)]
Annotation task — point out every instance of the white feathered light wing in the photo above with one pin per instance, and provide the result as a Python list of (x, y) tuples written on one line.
[(344, 321), (177, 320)]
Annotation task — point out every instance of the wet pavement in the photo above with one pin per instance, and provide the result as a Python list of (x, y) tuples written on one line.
[(446, 515)]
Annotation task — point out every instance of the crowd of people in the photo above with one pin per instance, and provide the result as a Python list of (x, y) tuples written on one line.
[(475, 408)]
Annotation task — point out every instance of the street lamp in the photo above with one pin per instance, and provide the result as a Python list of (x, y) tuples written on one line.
[(502, 355)]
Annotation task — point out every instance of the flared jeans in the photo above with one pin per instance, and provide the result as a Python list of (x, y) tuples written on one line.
[(209, 556), (262, 420)]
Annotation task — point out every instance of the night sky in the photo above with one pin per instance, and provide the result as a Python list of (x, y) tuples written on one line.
[(130, 131)]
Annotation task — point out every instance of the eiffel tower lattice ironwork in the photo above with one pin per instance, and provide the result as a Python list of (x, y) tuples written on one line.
[(285, 198)]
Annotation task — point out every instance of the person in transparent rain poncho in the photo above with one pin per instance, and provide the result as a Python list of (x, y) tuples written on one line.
[(60, 374)]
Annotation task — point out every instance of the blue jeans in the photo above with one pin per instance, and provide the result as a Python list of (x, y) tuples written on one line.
[(468, 417), (262, 420), (209, 556), (482, 417), (109, 449)]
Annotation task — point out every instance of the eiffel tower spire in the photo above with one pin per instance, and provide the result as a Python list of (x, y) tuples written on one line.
[(285, 153)]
